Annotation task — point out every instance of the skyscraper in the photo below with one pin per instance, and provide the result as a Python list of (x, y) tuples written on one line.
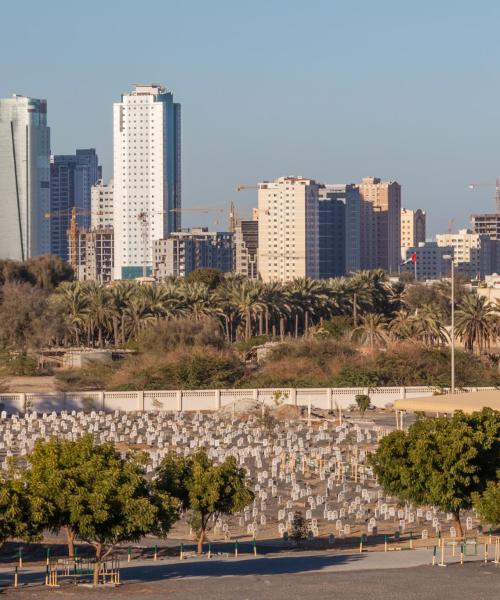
[(24, 178), (288, 229), (147, 176), (71, 179), (339, 230), (380, 224), (412, 229)]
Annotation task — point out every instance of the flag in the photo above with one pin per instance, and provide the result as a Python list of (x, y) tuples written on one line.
[(412, 259)]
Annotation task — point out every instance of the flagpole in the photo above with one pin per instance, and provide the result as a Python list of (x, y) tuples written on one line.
[(415, 267)]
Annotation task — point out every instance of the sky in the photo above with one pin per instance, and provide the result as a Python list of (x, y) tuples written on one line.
[(333, 90)]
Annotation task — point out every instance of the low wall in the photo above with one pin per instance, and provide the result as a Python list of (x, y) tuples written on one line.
[(194, 400)]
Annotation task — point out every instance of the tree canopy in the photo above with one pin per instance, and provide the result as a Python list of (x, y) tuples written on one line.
[(442, 461), (205, 488)]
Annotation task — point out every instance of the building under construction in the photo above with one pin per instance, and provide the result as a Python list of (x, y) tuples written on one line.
[(95, 254)]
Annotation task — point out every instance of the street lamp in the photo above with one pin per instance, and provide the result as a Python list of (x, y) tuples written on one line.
[(452, 267)]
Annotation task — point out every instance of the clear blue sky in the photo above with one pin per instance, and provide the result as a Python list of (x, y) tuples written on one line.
[(333, 90)]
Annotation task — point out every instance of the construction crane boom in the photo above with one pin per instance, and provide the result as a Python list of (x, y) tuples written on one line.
[(72, 213)]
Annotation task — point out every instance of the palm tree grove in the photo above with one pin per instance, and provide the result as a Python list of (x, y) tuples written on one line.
[(202, 331)]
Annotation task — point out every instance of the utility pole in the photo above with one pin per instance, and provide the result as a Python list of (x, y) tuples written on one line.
[(452, 333), (452, 326)]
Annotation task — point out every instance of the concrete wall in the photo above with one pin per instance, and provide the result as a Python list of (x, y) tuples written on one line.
[(194, 400)]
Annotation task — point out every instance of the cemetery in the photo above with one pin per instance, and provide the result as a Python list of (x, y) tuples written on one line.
[(312, 464)]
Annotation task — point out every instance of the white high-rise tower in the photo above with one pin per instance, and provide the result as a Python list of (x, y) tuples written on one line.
[(147, 176), (24, 178)]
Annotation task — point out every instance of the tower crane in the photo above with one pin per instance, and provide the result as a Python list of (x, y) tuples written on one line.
[(246, 186), (74, 258), (496, 185)]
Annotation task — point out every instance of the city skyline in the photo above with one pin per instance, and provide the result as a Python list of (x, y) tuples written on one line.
[(409, 115)]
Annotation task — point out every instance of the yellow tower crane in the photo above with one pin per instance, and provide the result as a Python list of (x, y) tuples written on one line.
[(74, 257)]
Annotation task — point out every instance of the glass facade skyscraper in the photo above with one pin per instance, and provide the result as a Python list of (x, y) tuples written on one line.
[(71, 179), (339, 230), (24, 178)]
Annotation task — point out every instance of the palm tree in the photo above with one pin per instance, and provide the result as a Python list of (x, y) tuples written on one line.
[(475, 322), (306, 296), (198, 300), (72, 296), (244, 295), (428, 327), (372, 331), (402, 326), (99, 311), (120, 294)]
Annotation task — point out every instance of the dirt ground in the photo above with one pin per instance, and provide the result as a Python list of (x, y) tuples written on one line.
[(31, 384)]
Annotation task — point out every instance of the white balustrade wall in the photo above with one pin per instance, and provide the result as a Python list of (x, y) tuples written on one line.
[(207, 400)]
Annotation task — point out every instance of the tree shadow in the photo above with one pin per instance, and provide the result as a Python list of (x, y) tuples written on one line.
[(276, 565)]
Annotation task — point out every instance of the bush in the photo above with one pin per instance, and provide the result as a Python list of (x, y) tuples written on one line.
[(363, 402), (299, 528), (18, 365), (180, 333), (93, 377), (338, 326), (198, 368)]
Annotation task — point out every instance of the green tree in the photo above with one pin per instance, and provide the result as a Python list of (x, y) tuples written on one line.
[(441, 461), (363, 402), (299, 528), (212, 278), (51, 480), (113, 502), (205, 488), (95, 495), (15, 511), (487, 504)]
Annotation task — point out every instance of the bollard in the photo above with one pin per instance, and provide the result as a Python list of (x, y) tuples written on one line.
[(440, 541), (209, 555), (20, 558), (15, 577), (411, 540), (181, 555), (47, 575), (485, 552), (236, 549), (155, 555), (434, 556), (254, 547), (129, 554), (462, 549), (385, 543), (442, 563), (48, 556)]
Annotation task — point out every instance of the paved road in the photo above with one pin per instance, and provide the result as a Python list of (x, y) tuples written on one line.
[(283, 577)]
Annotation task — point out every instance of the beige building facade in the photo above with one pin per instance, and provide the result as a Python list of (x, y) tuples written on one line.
[(380, 224), (471, 252), (412, 229), (288, 230)]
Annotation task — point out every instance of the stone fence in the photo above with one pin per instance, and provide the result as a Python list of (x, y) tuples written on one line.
[(208, 400)]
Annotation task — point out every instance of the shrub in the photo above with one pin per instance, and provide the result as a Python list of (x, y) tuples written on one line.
[(299, 528), (165, 336), (363, 401), (197, 368)]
